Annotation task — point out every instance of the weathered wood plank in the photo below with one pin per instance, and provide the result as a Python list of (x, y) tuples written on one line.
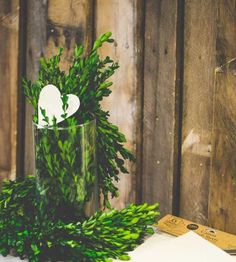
[(51, 25), (36, 42), (199, 64), (139, 42), (123, 19), (20, 160), (226, 31), (9, 35), (222, 208), (161, 112), (222, 211), (67, 25)]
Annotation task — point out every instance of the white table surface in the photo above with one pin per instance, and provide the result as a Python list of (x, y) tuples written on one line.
[(157, 238), (154, 240)]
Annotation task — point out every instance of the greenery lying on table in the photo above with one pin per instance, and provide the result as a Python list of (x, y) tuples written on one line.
[(87, 78), (99, 238), (103, 236)]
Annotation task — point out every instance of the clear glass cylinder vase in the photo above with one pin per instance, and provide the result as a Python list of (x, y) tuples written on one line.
[(65, 164)]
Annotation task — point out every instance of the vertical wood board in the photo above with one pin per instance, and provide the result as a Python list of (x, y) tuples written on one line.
[(199, 64), (161, 90), (123, 18), (36, 41), (226, 31), (222, 208), (222, 212), (9, 29), (69, 23)]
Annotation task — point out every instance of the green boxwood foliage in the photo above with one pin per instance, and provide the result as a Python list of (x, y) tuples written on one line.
[(101, 237), (88, 79)]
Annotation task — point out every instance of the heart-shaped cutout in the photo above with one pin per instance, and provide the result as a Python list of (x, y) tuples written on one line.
[(50, 100)]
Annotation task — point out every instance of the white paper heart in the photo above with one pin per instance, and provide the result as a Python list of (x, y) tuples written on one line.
[(50, 100)]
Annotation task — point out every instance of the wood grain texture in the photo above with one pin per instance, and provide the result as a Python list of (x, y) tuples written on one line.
[(9, 29), (123, 18), (225, 31), (20, 160), (161, 90), (139, 40), (222, 211), (36, 42), (222, 208), (199, 64), (147, 93), (69, 23)]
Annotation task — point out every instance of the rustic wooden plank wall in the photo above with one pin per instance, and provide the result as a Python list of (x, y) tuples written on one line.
[(67, 25), (222, 211), (162, 97), (124, 103), (9, 36), (199, 65), (222, 208), (161, 93), (35, 48)]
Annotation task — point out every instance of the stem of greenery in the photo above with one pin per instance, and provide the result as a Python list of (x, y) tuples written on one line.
[(65, 170), (99, 238), (88, 79)]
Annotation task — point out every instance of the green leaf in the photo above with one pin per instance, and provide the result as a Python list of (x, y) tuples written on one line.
[(35, 248), (124, 257), (79, 51)]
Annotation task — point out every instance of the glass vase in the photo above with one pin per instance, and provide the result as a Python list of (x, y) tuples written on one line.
[(65, 164)]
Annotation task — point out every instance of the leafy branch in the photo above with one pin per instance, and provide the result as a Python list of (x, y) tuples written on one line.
[(99, 238), (88, 79)]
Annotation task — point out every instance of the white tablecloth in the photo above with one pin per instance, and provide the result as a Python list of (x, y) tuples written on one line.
[(155, 241)]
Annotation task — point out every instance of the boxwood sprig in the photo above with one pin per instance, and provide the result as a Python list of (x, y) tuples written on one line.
[(100, 238), (88, 78)]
